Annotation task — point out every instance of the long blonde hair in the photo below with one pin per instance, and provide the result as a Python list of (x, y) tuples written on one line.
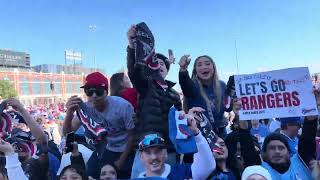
[(216, 84)]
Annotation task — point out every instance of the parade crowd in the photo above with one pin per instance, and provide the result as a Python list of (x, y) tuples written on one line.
[(134, 125)]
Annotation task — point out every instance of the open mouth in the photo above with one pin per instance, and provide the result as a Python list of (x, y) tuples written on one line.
[(155, 163), (218, 150), (205, 73)]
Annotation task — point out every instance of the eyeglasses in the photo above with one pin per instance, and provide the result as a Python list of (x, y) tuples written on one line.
[(151, 140), (89, 92)]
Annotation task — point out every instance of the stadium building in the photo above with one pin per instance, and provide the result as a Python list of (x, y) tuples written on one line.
[(43, 84)]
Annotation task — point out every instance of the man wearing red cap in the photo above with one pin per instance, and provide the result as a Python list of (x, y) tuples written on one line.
[(117, 112)]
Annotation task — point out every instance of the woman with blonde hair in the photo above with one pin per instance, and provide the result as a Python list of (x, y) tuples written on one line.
[(204, 89)]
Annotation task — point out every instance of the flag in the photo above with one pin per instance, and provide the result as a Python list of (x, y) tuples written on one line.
[(145, 53), (180, 135), (95, 125), (8, 119)]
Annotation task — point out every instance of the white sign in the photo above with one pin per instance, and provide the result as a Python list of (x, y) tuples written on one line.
[(73, 55), (280, 93)]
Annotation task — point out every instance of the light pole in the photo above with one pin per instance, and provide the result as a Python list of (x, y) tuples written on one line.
[(236, 54), (92, 28)]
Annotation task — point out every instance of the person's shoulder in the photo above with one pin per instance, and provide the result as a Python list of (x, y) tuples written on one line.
[(117, 101)]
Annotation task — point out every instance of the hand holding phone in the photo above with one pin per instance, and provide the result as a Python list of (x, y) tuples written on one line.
[(171, 56), (69, 142), (184, 62), (75, 151)]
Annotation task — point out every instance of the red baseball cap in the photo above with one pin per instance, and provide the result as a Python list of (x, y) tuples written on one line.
[(97, 80)]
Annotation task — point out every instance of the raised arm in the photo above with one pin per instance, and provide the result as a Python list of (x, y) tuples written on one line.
[(307, 142), (187, 85), (13, 164), (203, 161), (248, 156), (76, 157), (248, 151), (136, 71), (35, 129), (71, 123)]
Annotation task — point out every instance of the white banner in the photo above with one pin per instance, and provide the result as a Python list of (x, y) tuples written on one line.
[(280, 93), (73, 55)]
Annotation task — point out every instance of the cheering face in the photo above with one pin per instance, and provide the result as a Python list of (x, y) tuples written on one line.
[(163, 68), (204, 68), (277, 152), (70, 174), (221, 151), (126, 82), (108, 173), (153, 158)]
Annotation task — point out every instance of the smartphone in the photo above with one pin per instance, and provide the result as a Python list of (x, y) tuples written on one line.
[(170, 52), (69, 140), (171, 56)]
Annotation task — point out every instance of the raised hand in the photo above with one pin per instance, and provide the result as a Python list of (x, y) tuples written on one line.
[(131, 34), (73, 104), (6, 147), (184, 62), (195, 111), (75, 151), (192, 122), (171, 58)]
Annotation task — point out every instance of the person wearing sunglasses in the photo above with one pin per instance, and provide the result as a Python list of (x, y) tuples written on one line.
[(117, 114), (154, 153)]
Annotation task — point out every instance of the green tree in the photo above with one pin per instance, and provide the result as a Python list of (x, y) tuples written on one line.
[(7, 90)]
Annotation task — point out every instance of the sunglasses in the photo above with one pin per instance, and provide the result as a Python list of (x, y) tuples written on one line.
[(98, 91), (151, 139)]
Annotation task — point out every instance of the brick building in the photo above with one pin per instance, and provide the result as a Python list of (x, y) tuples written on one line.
[(43, 88)]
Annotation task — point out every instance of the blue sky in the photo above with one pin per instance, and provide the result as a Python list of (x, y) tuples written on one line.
[(270, 34)]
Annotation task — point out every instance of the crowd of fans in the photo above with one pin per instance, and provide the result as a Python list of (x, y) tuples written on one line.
[(123, 131)]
